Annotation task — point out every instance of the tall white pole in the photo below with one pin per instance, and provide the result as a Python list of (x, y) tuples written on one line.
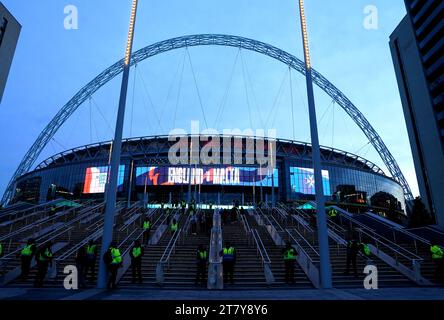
[(325, 267), (111, 190)]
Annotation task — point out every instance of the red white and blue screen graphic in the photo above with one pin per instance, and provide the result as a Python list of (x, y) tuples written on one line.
[(302, 181), (96, 178), (206, 175)]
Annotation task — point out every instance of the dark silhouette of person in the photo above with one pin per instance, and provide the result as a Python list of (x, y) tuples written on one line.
[(26, 255), (91, 257), (201, 264), (81, 262), (136, 253), (289, 255), (353, 248), (44, 261)]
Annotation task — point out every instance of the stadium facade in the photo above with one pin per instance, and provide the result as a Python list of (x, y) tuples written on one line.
[(146, 173)]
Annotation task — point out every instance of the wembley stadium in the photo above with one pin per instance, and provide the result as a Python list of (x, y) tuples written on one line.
[(147, 174)]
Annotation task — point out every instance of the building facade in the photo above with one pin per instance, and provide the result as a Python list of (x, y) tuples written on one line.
[(146, 173), (417, 47), (9, 35)]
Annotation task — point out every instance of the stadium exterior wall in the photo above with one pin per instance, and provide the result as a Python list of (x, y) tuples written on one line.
[(146, 173)]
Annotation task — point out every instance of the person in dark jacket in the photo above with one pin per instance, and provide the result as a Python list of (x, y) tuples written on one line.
[(136, 253), (353, 248), (44, 261), (26, 255), (289, 255), (81, 263), (201, 265)]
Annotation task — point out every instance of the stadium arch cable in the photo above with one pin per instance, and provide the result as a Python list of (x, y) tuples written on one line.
[(207, 40)]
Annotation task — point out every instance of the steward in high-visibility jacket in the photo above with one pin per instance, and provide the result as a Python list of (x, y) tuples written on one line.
[(365, 249), (332, 212), (136, 254), (228, 254), (91, 257), (438, 258), (44, 261), (147, 225), (201, 264), (174, 226), (289, 255), (116, 256), (437, 252), (146, 230), (26, 255), (113, 260)]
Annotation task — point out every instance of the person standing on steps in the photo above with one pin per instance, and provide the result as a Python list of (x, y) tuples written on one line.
[(136, 253), (146, 230), (353, 248), (174, 226), (26, 255), (81, 262), (289, 255), (113, 261), (438, 258), (91, 257), (201, 265), (228, 255), (44, 261), (168, 215)]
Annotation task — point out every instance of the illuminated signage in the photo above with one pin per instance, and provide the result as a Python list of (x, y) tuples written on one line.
[(223, 176), (96, 178), (302, 181)]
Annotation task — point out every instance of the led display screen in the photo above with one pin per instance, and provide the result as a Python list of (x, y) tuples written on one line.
[(225, 176), (302, 181), (96, 178)]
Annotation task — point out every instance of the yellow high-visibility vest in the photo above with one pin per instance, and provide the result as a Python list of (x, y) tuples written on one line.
[(290, 254), (137, 252), (26, 251), (437, 252), (116, 257)]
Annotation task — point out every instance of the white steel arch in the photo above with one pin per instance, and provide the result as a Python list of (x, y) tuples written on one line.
[(207, 40)]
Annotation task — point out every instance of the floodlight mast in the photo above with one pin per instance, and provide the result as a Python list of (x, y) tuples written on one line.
[(324, 254), (111, 187)]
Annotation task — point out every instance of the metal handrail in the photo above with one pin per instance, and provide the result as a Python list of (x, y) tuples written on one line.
[(377, 237), (172, 243), (11, 235), (152, 213), (312, 248), (415, 236), (245, 224), (315, 262), (283, 215), (7, 259), (391, 246), (74, 249), (260, 247), (36, 223)]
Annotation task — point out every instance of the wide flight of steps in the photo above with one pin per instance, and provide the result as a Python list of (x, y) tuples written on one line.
[(387, 276), (277, 263)]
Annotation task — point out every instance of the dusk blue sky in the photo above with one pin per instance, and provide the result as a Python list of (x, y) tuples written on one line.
[(51, 64)]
